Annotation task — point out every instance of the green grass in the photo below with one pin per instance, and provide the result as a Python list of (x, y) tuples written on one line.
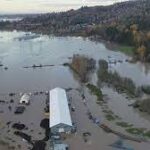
[(136, 131), (107, 111), (4, 143), (96, 91), (146, 89), (127, 49), (110, 117), (147, 134), (124, 124)]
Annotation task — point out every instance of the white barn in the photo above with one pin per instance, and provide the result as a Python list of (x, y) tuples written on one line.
[(60, 118), (25, 99)]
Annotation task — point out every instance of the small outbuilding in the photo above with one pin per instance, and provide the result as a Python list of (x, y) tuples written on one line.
[(25, 99), (60, 118)]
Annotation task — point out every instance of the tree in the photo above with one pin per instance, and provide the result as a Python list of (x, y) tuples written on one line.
[(141, 51)]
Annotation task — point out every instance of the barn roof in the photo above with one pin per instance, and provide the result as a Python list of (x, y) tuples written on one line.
[(25, 98), (59, 110)]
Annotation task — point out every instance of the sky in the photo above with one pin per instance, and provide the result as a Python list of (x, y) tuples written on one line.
[(42, 6)]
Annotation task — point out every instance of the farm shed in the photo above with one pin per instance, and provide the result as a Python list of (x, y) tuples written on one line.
[(60, 118)]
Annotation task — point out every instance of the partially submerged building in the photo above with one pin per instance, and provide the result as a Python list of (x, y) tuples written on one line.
[(25, 99), (60, 118)]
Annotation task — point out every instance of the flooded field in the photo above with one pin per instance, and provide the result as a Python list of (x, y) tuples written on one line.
[(19, 49), (31, 118)]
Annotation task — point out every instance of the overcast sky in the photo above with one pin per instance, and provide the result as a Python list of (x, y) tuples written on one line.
[(35, 6)]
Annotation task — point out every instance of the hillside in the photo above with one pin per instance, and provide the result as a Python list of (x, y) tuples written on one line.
[(126, 12)]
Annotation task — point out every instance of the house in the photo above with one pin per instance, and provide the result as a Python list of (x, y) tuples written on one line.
[(25, 99), (60, 118)]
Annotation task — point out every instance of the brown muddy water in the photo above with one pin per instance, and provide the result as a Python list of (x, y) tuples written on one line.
[(19, 49)]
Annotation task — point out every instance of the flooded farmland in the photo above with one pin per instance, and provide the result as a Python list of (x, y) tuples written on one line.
[(19, 50)]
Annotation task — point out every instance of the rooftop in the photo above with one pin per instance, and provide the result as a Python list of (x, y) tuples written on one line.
[(59, 110)]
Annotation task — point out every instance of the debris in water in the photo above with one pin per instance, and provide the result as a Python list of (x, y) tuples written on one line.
[(2, 101), (120, 145), (9, 107), (39, 145), (11, 101), (6, 68), (45, 124), (19, 110), (24, 136), (18, 126), (11, 94)]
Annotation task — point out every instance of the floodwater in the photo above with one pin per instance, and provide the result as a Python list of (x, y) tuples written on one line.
[(28, 118), (10, 19), (19, 49)]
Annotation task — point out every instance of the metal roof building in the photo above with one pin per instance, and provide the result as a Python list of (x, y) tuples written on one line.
[(60, 118), (25, 99)]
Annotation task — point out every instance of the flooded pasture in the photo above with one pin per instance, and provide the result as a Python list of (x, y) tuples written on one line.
[(19, 49)]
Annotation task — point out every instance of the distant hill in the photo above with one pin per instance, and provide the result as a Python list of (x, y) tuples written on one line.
[(127, 12), (137, 12)]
